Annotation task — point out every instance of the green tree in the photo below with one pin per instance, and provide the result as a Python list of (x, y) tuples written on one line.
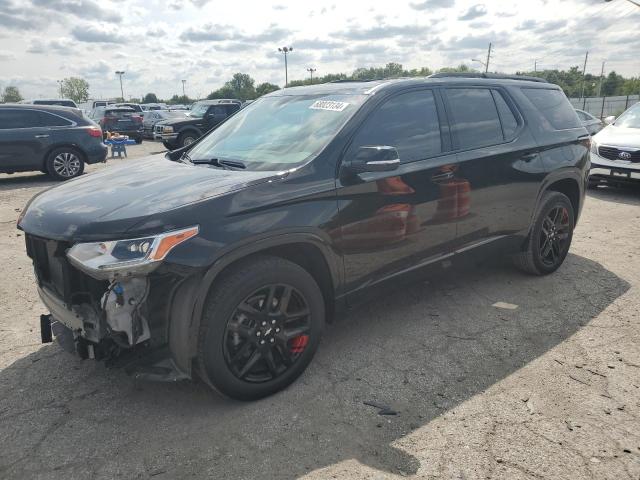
[(265, 88), (77, 89), (462, 68), (150, 98), (11, 95), (180, 100), (241, 86), (612, 85)]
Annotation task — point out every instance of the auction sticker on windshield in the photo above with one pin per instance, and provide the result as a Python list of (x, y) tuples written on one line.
[(329, 105)]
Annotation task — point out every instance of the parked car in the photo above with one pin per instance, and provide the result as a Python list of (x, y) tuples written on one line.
[(63, 102), (135, 106), (52, 139), (615, 150), (203, 116), (123, 120), (591, 123), (151, 118), (153, 106), (225, 258)]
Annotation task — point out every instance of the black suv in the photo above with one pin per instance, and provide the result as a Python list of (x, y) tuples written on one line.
[(119, 119), (202, 117), (53, 139), (224, 259)]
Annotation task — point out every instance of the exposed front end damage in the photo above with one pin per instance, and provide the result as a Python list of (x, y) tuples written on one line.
[(121, 320)]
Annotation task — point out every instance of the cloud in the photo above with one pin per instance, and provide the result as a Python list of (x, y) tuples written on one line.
[(474, 12), (63, 46), (383, 31), (14, 22), (432, 4), (542, 27), (98, 34), (6, 56), (219, 33), (80, 8)]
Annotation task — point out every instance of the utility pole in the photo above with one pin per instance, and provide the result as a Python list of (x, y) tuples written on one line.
[(584, 71), (120, 73), (183, 94), (601, 78), (311, 70), (285, 51), (535, 66), (60, 85), (488, 59)]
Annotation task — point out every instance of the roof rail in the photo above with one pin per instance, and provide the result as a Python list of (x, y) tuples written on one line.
[(356, 80), (494, 76)]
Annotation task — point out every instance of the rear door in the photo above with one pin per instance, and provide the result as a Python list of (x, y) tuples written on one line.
[(393, 222), (23, 139), (498, 164)]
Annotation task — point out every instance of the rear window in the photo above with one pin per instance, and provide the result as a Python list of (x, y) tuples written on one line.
[(54, 120), (554, 107), (118, 113)]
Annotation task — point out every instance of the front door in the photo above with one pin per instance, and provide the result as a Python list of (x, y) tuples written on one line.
[(392, 222)]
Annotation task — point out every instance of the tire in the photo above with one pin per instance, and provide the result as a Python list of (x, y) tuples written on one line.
[(187, 138), (168, 146), (65, 163), (138, 140), (593, 183), (271, 351), (533, 259)]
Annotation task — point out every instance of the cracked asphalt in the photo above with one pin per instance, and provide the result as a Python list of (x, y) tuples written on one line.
[(549, 389)]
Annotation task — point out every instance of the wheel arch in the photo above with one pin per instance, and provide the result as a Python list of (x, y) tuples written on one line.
[(49, 150), (307, 250)]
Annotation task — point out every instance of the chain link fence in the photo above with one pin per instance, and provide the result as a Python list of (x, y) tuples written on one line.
[(602, 107)]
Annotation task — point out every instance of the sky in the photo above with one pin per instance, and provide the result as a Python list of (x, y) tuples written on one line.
[(160, 43)]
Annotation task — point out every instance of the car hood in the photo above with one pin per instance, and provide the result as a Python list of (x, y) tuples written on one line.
[(618, 137), (181, 120), (107, 203)]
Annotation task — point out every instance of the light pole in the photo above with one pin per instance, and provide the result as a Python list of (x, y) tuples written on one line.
[(60, 85), (285, 51), (183, 94), (311, 70), (479, 61), (120, 73)]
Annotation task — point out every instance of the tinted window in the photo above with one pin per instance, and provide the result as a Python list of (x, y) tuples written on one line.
[(507, 118), (218, 110), (18, 119), (554, 107), (408, 122), (62, 103), (49, 120), (475, 117), (581, 115)]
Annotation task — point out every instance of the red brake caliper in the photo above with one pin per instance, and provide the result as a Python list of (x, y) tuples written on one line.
[(299, 343)]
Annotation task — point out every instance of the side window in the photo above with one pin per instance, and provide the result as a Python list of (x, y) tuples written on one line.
[(507, 118), (18, 119), (49, 120), (475, 117), (554, 107), (231, 109), (218, 111), (408, 122), (582, 116)]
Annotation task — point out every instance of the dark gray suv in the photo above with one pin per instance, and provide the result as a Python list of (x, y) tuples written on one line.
[(52, 139)]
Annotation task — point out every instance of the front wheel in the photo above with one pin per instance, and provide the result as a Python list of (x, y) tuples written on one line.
[(550, 238), (260, 328), (187, 139)]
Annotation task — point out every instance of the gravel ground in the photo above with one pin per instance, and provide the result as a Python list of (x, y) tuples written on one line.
[(550, 389)]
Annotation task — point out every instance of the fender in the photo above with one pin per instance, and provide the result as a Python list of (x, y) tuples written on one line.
[(190, 128), (190, 297)]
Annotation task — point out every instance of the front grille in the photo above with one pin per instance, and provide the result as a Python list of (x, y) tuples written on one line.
[(612, 153), (159, 128), (54, 272)]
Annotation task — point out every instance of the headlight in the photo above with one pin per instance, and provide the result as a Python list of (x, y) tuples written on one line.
[(127, 257), (594, 147), (167, 129)]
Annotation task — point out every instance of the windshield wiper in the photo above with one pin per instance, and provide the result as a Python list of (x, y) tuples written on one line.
[(185, 158), (219, 163)]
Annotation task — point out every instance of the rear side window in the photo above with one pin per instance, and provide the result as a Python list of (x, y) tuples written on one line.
[(49, 120), (507, 118), (409, 122), (554, 107), (476, 122), (19, 119)]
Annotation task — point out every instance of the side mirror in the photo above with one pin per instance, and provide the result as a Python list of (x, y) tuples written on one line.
[(610, 120), (380, 158)]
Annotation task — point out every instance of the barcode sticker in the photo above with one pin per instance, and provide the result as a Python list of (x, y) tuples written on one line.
[(329, 105)]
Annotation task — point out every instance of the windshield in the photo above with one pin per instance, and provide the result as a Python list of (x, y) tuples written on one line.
[(630, 118), (199, 109), (280, 132)]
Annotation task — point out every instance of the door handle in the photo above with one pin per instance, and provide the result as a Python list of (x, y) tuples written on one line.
[(527, 157), (438, 177), (42, 136)]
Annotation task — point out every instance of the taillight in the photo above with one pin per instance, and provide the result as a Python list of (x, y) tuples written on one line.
[(94, 132), (137, 118)]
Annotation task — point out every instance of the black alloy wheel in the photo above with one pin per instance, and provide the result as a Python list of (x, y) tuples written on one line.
[(267, 333), (554, 236)]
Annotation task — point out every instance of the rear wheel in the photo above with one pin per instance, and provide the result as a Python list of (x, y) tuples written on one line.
[(138, 140), (65, 163), (550, 237), (260, 329), (168, 146)]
